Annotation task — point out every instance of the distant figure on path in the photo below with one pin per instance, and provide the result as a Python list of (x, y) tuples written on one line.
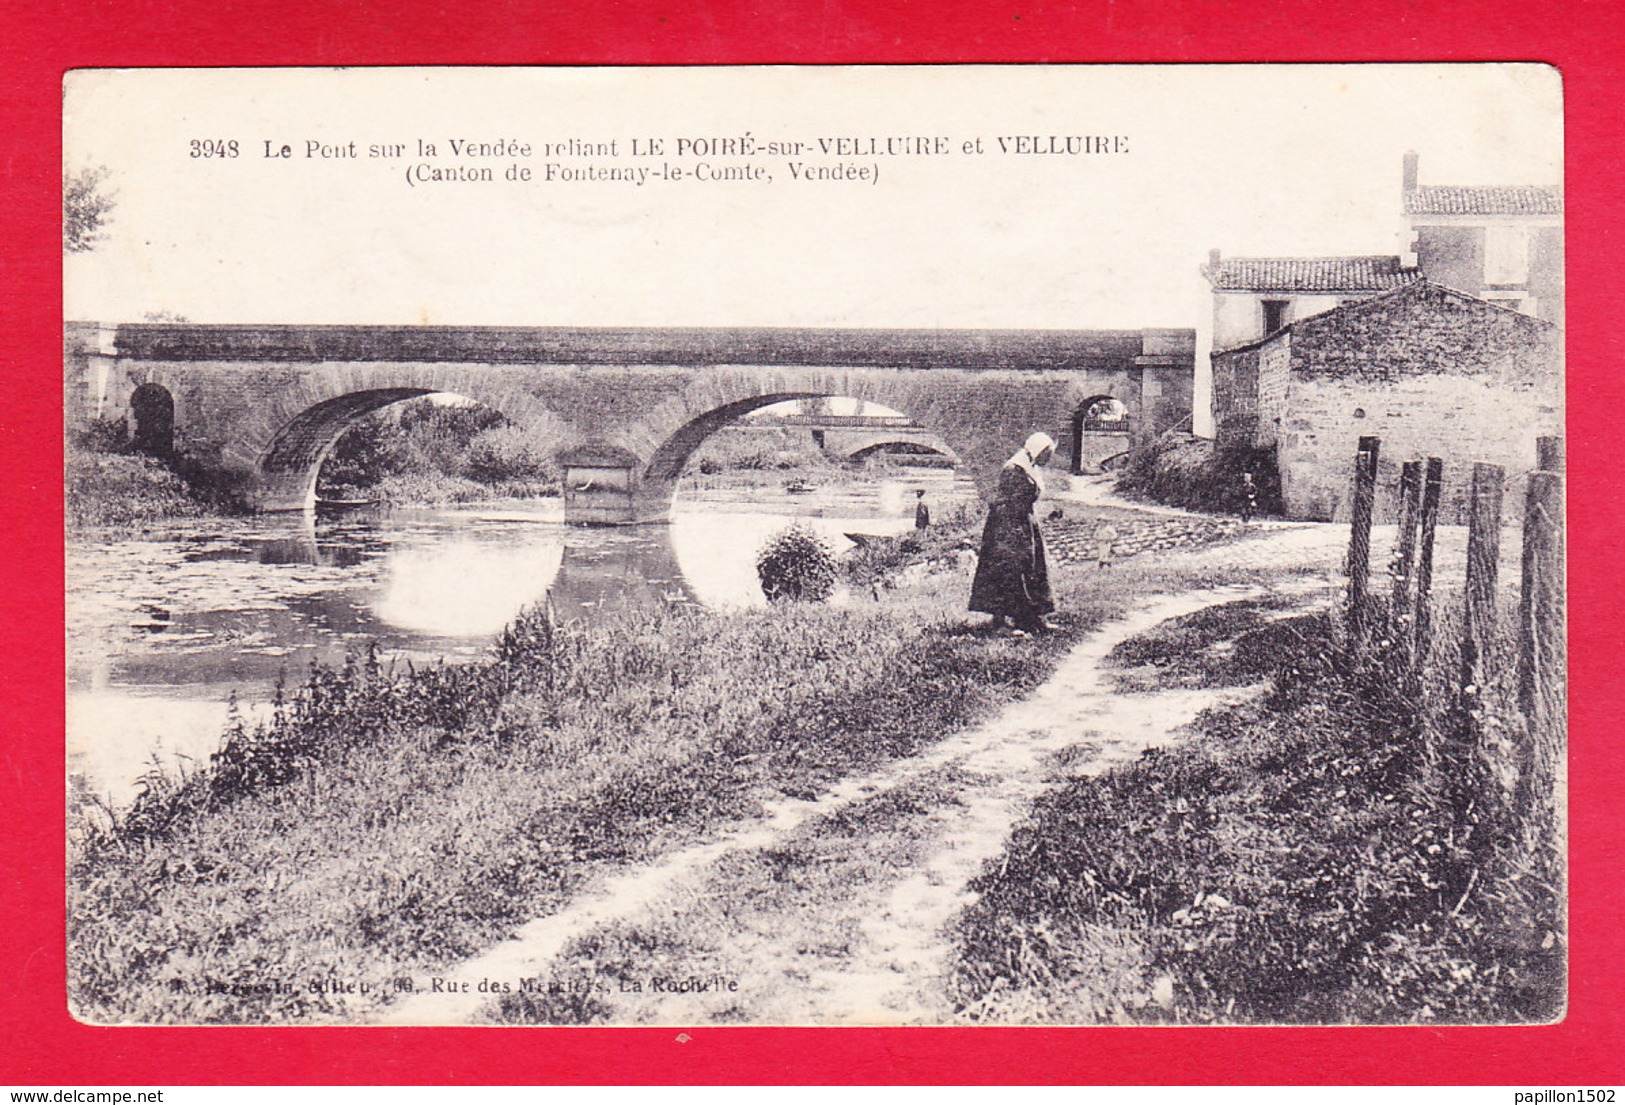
[(1012, 575), (1105, 544), (1249, 498), (922, 513)]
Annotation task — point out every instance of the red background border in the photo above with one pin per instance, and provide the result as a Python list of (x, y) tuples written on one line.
[(40, 1043)]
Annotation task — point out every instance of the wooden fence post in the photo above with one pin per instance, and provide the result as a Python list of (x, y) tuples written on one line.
[(1541, 613), (1404, 566), (1549, 451), (1483, 560), (1359, 562), (1422, 620)]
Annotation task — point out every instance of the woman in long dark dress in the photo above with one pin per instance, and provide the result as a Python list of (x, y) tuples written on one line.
[(1012, 576)]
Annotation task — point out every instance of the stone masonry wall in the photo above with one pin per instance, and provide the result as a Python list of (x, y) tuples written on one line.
[(1458, 419), (1250, 387), (1167, 393), (1274, 388), (1426, 328), (1430, 373), (1235, 396)]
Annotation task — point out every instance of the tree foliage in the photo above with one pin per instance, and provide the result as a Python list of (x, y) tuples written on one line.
[(86, 206), (421, 438)]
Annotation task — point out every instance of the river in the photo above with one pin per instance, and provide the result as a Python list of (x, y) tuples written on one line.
[(164, 629)]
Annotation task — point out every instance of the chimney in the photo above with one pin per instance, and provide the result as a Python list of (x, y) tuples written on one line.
[(1213, 259), (1408, 177)]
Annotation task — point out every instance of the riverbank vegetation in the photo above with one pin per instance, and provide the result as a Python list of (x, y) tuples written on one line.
[(1180, 469), (108, 487), (758, 449), (1356, 846), (390, 821), (424, 452)]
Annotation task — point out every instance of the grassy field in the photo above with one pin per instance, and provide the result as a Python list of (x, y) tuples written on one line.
[(1352, 848)]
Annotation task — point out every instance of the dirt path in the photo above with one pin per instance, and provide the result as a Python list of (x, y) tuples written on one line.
[(834, 909), (1099, 489)]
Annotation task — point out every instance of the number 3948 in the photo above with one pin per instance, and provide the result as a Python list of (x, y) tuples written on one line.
[(214, 147)]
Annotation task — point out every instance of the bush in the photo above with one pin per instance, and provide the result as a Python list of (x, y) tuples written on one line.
[(360, 459), (1192, 472), (796, 564), (103, 435), (756, 450), (109, 490)]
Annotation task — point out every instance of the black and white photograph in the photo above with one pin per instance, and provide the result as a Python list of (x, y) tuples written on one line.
[(846, 546)]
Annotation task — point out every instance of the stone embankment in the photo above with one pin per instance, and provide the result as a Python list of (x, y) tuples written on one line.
[(1075, 537)]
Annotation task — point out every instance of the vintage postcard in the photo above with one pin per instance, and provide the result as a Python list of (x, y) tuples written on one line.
[(1073, 545)]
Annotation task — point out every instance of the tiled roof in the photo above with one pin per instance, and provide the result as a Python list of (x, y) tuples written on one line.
[(1308, 274), (1434, 199)]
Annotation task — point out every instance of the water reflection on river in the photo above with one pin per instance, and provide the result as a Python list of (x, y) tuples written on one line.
[(163, 629)]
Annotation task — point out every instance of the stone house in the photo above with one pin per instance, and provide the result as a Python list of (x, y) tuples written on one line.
[(1430, 370)]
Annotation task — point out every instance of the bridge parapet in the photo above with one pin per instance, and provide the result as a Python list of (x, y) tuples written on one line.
[(594, 345)]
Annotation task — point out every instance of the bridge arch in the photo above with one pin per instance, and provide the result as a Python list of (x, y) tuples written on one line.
[(981, 417), (894, 446), (283, 445), (291, 463), (1102, 428)]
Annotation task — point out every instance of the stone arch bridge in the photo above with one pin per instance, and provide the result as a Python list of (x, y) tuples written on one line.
[(847, 436), (258, 407)]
